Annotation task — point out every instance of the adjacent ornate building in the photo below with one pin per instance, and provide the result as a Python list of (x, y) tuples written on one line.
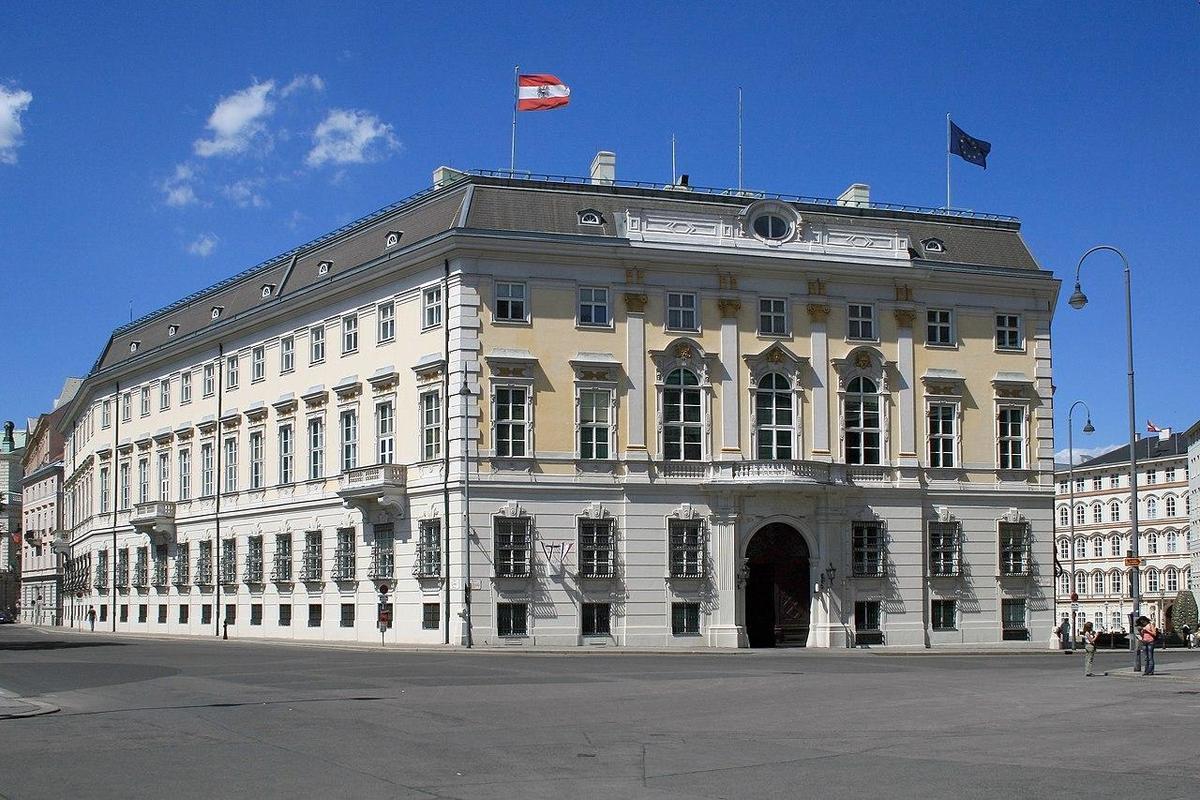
[(694, 418)]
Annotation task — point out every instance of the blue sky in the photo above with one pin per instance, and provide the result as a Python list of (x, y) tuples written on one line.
[(147, 151)]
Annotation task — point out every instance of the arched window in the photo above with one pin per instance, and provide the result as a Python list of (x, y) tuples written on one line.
[(773, 416), (863, 436), (1172, 542), (1114, 511), (1080, 515), (683, 428), (1080, 547), (1152, 580), (1116, 621), (1152, 543), (1098, 583), (1152, 508), (1081, 583), (1064, 549), (1064, 584), (1064, 516), (1097, 513), (1114, 545), (1115, 581), (1170, 506), (1097, 547), (1172, 579)]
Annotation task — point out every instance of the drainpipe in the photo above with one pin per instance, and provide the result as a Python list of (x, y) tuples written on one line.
[(446, 438), (217, 488)]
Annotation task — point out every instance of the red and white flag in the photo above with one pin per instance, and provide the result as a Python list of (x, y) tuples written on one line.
[(541, 92), (1151, 427)]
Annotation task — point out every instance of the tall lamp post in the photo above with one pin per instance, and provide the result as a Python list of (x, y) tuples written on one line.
[(465, 394), (1077, 301), (1087, 428)]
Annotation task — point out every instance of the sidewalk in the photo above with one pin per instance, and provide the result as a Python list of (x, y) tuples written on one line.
[(14, 707), (1175, 665)]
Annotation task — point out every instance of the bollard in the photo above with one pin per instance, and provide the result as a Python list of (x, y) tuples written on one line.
[(225, 629)]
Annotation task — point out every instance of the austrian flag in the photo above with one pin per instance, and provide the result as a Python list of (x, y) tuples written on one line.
[(541, 93)]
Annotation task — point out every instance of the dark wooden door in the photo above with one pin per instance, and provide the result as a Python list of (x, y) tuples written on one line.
[(777, 588)]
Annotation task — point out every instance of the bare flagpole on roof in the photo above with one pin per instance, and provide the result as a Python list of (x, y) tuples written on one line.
[(512, 158), (947, 160), (739, 138)]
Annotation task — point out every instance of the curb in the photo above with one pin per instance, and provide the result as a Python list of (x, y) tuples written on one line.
[(36, 708), (1129, 674)]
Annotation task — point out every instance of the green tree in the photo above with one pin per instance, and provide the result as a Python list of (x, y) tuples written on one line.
[(1184, 611)]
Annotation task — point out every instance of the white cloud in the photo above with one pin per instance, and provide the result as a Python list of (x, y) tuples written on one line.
[(13, 103), (244, 193), (1084, 453), (178, 189), (203, 246), (314, 82), (350, 137), (237, 120)]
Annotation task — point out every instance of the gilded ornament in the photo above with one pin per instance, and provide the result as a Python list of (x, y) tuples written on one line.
[(729, 306), (635, 303), (818, 312)]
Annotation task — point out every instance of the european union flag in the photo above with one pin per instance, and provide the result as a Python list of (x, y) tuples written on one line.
[(968, 148)]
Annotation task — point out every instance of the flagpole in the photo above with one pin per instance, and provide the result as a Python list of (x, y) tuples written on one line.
[(512, 157), (739, 138), (672, 160), (947, 159)]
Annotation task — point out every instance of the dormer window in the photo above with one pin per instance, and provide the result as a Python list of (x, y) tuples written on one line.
[(133, 346), (392, 238), (590, 216), (172, 330), (216, 311), (933, 245), (268, 289), (323, 267), (771, 221)]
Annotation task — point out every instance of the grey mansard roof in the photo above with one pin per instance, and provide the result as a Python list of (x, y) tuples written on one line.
[(1148, 447), (488, 202)]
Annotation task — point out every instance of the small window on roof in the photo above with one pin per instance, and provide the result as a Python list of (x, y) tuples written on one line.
[(216, 311), (134, 345), (323, 267), (392, 238), (590, 216), (268, 289), (172, 330), (933, 245)]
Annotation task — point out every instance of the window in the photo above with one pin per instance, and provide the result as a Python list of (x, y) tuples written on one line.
[(944, 548), (287, 354), (1114, 511), (256, 613), (349, 440), (687, 554), (385, 429), (183, 614), (104, 490), (106, 414), (164, 394), (1097, 484), (939, 327), (258, 364), (162, 614), (127, 407), (286, 454), (681, 312), (256, 460), (312, 557), (593, 306), (228, 560), (1080, 547), (1172, 542), (1151, 477), (590, 216), (124, 613), (386, 328), (1152, 544), (347, 620), (510, 421), (1012, 618), (945, 615), (431, 300), (596, 619), (511, 619), (1011, 438), (1151, 508), (682, 425), (862, 423), (231, 373), (164, 476), (1080, 515), (1152, 582), (1114, 545), (185, 474), (861, 322), (1170, 475), (185, 388), (314, 615), (206, 469), (1097, 547), (1114, 481), (143, 480), (867, 544), (383, 552), (145, 395), (429, 549), (1115, 581), (285, 615), (1008, 332), (685, 619), (349, 334), (512, 546), (316, 344), (773, 418), (431, 425), (772, 316), (1064, 549), (281, 568), (343, 555), (1170, 506), (596, 548), (316, 448), (510, 302), (594, 423), (182, 566), (431, 616), (867, 629), (254, 559), (1064, 584), (1015, 548), (123, 503), (210, 380), (942, 418), (1064, 516), (1172, 579), (1098, 583), (771, 226), (231, 464)]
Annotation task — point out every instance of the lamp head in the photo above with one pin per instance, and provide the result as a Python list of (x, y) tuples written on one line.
[(1078, 298), (1088, 427)]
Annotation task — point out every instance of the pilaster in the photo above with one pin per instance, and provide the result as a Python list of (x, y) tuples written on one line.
[(818, 314), (730, 394)]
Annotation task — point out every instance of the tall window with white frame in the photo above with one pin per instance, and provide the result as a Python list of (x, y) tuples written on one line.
[(687, 556), (207, 464), (772, 316), (256, 460), (316, 344), (143, 480), (431, 424), (593, 307), (939, 327), (594, 423), (1008, 332), (258, 364), (860, 320), (185, 388), (164, 394), (861, 423), (681, 312), (164, 476), (385, 432), (867, 544), (511, 302), (349, 426), (682, 422), (231, 464), (945, 550), (386, 322), (349, 334), (1015, 548), (185, 474), (210, 380), (145, 401), (512, 547), (104, 490), (231, 373), (127, 407), (942, 417), (287, 354), (316, 448), (429, 549), (1010, 437), (106, 414), (512, 424), (287, 457), (596, 548), (773, 418), (431, 307)]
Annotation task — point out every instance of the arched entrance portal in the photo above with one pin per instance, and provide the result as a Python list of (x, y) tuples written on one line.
[(777, 588)]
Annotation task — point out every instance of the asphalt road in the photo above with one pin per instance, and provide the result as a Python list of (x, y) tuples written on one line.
[(210, 719)]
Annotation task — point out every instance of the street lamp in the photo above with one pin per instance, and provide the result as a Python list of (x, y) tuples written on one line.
[(465, 394), (1087, 428), (1077, 301)]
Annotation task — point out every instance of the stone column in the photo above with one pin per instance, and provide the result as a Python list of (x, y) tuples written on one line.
[(730, 393), (818, 314), (907, 456), (723, 629)]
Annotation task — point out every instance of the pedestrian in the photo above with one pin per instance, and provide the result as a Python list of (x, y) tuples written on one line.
[(1064, 634), (1148, 637), (1187, 637), (91, 615), (1089, 648)]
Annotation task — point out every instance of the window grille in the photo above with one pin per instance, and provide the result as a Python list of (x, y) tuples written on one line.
[(343, 555), (429, 549), (512, 546), (1016, 557), (310, 569), (383, 556), (596, 548), (687, 543), (945, 549), (254, 560), (281, 568), (867, 542)]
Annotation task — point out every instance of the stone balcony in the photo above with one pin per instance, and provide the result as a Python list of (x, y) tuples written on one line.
[(61, 543), (764, 473), (155, 518), (380, 485)]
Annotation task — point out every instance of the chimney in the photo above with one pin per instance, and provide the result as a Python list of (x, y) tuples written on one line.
[(444, 176), (1164, 434), (604, 168), (858, 195)]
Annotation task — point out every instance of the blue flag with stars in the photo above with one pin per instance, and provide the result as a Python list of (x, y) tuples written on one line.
[(968, 148)]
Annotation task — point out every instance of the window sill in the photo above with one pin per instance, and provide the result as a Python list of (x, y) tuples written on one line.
[(1016, 350), (695, 331), (591, 326), (855, 341), (938, 346), (389, 340), (773, 337)]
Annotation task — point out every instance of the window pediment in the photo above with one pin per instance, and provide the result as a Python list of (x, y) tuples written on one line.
[(866, 362), (682, 353), (776, 358)]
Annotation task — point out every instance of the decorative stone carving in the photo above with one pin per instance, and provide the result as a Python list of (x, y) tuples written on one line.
[(635, 303), (1013, 515), (635, 275), (684, 351), (684, 511), (905, 316), (726, 280), (816, 286), (595, 510), (818, 312), (862, 359), (729, 306), (904, 294), (510, 372), (512, 509), (593, 375)]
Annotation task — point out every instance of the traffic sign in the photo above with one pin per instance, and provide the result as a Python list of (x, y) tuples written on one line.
[(1074, 606), (1135, 562)]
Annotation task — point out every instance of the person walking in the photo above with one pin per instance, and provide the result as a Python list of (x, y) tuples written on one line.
[(1064, 634), (1089, 648), (91, 616), (1187, 637), (1148, 636)]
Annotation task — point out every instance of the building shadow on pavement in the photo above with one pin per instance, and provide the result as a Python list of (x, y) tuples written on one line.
[(55, 645)]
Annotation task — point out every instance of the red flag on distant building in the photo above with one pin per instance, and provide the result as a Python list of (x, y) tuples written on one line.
[(16, 538), (541, 92), (1151, 427)]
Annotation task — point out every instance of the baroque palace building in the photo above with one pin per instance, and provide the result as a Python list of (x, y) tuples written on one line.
[(694, 418)]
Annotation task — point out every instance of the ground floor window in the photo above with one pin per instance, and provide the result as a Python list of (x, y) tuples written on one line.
[(230, 613), (162, 614), (314, 615), (685, 619), (945, 615), (143, 611), (1012, 617), (347, 615), (124, 613), (103, 613), (285, 616), (183, 615), (431, 616), (511, 619), (596, 618), (256, 613), (206, 614), (867, 629)]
